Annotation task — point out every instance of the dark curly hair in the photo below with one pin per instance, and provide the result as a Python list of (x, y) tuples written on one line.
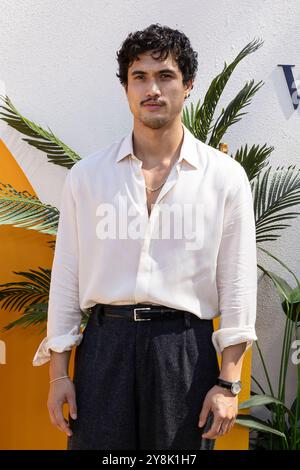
[(159, 39)]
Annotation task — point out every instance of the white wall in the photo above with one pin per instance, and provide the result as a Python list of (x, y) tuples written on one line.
[(58, 63)]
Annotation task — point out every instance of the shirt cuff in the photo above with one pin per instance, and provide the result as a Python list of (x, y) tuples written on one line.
[(225, 337), (58, 344)]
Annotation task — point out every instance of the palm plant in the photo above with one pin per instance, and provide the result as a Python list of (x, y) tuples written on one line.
[(57, 152), (30, 295), (21, 209), (274, 194), (282, 428)]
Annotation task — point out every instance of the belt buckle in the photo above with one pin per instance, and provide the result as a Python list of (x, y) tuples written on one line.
[(140, 319)]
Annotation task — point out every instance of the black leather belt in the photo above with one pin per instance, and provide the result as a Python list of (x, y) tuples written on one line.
[(140, 312)]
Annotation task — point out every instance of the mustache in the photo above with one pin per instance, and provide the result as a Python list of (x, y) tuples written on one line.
[(161, 103)]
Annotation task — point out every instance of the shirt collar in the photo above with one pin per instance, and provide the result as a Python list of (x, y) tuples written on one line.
[(188, 152)]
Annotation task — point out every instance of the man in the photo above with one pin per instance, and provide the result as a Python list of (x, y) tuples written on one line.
[(146, 368)]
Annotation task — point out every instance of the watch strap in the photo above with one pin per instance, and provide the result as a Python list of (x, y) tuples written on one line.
[(224, 383)]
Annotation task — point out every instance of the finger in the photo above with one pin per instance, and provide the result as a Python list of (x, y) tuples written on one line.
[(61, 421), (212, 433), (55, 421), (52, 417), (224, 428), (72, 406), (64, 427), (203, 414), (231, 424)]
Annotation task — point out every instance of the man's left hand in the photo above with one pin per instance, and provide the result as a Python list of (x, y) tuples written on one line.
[(224, 406)]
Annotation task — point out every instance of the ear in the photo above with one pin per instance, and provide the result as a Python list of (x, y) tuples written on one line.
[(189, 86)]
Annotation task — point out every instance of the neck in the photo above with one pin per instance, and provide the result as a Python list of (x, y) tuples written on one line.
[(157, 147)]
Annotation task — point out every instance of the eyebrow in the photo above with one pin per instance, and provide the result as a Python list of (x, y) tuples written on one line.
[(141, 72)]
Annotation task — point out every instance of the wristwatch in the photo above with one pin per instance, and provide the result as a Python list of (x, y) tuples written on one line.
[(235, 387)]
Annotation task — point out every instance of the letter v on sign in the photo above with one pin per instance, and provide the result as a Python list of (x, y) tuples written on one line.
[(291, 83)]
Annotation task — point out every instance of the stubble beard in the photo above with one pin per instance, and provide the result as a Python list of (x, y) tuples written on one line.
[(154, 122)]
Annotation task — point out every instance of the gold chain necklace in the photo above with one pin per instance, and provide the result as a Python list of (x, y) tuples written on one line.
[(155, 189)]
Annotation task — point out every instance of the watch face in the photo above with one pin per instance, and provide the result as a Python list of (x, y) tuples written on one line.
[(236, 387)]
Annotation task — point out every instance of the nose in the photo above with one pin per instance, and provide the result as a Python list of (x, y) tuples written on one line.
[(153, 89)]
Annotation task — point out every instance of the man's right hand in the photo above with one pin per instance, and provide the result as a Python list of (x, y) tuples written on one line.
[(61, 392)]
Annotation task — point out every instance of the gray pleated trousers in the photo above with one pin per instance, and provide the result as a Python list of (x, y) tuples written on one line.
[(141, 385)]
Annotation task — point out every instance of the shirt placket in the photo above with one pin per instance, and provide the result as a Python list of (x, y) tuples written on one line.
[(143, 277)]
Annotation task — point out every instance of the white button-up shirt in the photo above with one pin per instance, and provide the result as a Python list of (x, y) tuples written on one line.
[(196, 252)]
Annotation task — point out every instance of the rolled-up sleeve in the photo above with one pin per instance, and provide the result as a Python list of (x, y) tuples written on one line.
[(64, 313), (237, 269)]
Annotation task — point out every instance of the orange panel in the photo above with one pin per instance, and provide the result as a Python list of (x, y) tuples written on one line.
[(238, 438), (24, 388)]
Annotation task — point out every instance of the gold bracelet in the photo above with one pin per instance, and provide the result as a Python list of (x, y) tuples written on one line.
[(58, 378)]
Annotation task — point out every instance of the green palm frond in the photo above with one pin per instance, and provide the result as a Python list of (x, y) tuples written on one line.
[(257, 424), (189, 116), (85, 316), (254, 159), (202, 123), (22, 209), (272, 196), (35, 314), (51, 244), (19, 294), (57, 152), (232, 114), (31, 298)]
